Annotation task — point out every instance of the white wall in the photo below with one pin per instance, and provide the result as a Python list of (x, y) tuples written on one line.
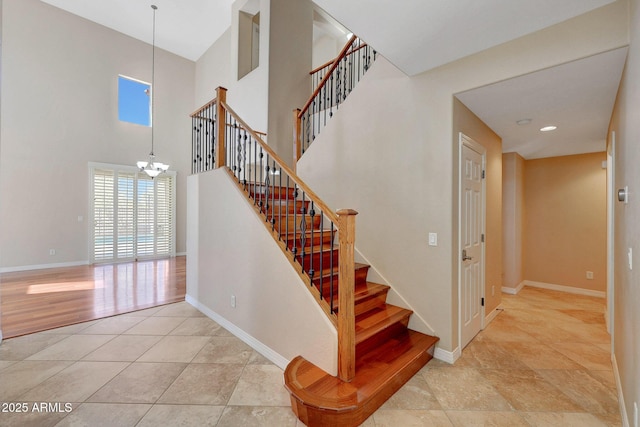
[(59, 99), (0, 138), (291, 39), (325, 49), (266, 97), (218, 66), (231, 252), (213, 69), (390, 155), (626, 334)]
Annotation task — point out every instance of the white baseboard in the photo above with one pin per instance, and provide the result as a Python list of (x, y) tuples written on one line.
[(513, 291), (0, 337), (181, 254), (568, 289), (623, 408), (252, 342), (447, 356), (489, 318), (42, 266)]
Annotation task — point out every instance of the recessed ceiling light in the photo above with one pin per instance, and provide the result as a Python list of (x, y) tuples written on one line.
[(548, 128), (523, 122)]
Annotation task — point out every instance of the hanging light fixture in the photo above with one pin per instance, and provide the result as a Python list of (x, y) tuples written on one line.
[(151, 167)]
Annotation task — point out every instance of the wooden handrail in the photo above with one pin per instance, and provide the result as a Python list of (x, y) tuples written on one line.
[(204, 107), (313, 196), (229, 125), (326, 64), (341, 55)]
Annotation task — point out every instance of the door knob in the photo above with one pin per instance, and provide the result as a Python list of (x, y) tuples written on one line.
[(464, 255)]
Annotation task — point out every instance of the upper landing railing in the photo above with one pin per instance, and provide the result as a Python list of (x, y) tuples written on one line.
[(332, 83)]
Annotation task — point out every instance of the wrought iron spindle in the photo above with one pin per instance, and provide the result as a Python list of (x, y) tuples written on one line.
[(286, 222), (331, 280), (194, 136), (312, 213), (295, 212), (244, 160), (280, 202), (303, 233), (262, 189)]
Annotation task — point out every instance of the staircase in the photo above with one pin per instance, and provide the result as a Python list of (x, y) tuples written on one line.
[(388, 354), (377, 353)]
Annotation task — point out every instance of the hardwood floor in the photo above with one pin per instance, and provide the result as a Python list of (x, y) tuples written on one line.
[(37, 300)]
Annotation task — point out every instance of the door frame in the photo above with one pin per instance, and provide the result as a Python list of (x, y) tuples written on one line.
[(464, 140), (611, 202)]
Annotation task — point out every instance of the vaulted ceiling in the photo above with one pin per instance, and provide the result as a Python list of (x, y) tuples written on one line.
[(418, 35)]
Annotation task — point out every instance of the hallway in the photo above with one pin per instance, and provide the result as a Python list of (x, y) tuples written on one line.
[(544, 361)]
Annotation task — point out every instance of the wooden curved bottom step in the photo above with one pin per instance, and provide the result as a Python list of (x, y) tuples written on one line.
[(319, 399)]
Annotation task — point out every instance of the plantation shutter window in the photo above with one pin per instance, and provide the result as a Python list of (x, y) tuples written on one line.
[(133, 215)]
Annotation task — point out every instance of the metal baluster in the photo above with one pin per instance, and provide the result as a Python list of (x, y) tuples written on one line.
[(331, 97), (311, 271), (267, 182), (239, 159), (286, 221), (308, 129), (303, 232), (214, 133), (207, 142), (331, 280), (255, 172), (244, 159), (193, 144), (295, 212), (313, 119), (280, 204), (260, 204)]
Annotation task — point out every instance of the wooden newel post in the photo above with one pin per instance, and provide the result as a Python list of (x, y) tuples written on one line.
[(346, 291), (221, 152), (297, 143)]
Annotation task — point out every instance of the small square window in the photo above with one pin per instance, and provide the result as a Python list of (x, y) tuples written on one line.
[(134, 101)]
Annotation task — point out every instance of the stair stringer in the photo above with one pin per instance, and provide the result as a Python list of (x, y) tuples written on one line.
[(234, 254)]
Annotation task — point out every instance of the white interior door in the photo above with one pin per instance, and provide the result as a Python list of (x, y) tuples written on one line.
[(472, 206)]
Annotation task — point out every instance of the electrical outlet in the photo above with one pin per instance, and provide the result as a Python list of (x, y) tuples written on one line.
[(233, 301), (52, 251), (590, 275)]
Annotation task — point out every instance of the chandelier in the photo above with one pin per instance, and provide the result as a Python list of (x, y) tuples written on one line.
[(152, 167)]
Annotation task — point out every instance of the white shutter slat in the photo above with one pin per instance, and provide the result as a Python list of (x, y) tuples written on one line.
[(126, 215), (103, 214), (146, 214)]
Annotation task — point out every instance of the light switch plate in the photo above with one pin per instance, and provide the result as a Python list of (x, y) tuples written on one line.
[(433, 239)]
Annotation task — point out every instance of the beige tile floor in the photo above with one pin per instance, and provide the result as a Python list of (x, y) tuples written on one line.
[(544, 361)]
